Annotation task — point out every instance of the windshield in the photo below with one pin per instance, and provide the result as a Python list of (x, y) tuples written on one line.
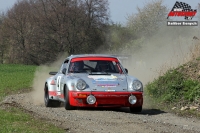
[(92, 66)]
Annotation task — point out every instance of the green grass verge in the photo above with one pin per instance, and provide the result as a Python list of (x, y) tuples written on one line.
[(15, 120), (14, 78), (173, 89)]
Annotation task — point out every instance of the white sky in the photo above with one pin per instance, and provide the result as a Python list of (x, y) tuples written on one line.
[(119, 9)]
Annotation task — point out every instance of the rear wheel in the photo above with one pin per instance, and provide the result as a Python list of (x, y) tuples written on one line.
[(48, 102), (67, 100), (136, 109)]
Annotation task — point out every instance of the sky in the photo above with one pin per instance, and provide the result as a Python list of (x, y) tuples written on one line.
[(119, 9)]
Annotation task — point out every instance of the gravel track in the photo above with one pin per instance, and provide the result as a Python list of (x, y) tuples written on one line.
[(106, 121)]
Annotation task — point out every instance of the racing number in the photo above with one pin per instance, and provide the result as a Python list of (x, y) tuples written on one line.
[(58, 85)]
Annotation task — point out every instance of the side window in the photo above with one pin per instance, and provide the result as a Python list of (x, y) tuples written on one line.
[(64, 65), (71, 66), (66, 61)]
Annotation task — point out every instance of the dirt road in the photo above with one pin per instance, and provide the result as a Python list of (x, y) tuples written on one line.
[(107, 121)]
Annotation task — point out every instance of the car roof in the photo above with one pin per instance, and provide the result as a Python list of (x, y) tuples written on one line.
[(91, 55)]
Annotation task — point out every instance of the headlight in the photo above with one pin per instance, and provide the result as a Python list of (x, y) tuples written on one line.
[(132, 99), (136, 85), (81, 85), (91, 99)]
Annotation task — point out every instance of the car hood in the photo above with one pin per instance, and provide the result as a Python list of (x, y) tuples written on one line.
[(113, 82)]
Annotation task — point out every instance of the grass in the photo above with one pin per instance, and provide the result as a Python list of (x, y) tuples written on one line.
[(15, 120), (14, 78), (18, 78), (174, 89), (166, 88)]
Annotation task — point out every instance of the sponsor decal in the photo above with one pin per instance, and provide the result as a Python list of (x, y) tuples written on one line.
[(102, 77), (120, 79), (110, 90), (100, 95), (58, 93), (104, 81)]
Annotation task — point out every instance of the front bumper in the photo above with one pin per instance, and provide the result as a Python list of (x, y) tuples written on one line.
[(105, 99)]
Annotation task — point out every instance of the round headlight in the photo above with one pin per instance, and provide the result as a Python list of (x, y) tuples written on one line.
[(132, 99), (91, 99), (136, 85), (81, 85)]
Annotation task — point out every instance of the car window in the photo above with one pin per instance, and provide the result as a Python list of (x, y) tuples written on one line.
[(90, 63), (86, 66), (64, 65)]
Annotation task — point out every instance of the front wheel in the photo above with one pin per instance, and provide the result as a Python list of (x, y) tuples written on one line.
[(67, 100), (136, 109)]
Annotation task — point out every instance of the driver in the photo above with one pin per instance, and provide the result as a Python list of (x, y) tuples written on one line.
[(78, 66), (103, 66)]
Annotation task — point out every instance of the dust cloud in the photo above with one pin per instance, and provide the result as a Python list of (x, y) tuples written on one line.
[(168, 48), (41, 74)]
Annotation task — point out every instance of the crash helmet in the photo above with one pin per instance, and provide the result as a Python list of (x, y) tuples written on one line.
[(78, 65), (103, 66)]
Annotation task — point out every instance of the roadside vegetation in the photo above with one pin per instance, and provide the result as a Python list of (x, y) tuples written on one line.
[(18, 79), (14, 78), (178, 90), (16, 120)]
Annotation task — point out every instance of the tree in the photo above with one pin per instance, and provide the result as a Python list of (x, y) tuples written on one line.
[(3, 46), (148, 19), (117, 38), (19, 29), (39, 30)]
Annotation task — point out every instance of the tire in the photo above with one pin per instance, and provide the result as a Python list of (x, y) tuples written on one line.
[(136, 109), (48, 102), (67, 102)]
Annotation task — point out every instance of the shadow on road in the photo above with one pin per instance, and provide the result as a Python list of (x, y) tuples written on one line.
[(125, 110), (152, 111), (144, 111)]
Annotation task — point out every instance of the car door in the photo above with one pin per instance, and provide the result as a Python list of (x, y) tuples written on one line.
[(62, 78), (59, 80)]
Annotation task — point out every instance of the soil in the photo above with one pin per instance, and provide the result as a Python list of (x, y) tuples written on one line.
[(86, 120)]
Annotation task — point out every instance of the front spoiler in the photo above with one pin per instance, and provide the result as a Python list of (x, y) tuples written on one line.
[(105, 99)]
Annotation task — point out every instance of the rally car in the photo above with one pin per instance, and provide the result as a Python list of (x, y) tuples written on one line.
[(93, 80)]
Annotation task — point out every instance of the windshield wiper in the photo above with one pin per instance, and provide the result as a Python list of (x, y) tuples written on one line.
[(100, 73), (104, 72)]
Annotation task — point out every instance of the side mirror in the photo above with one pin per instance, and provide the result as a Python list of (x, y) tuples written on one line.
[(53, 73), (64, 71), (126, 70)]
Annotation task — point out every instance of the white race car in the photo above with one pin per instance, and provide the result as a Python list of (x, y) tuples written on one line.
[(93, 80)]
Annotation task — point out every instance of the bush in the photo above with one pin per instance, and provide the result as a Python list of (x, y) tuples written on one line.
[(173, 87)]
